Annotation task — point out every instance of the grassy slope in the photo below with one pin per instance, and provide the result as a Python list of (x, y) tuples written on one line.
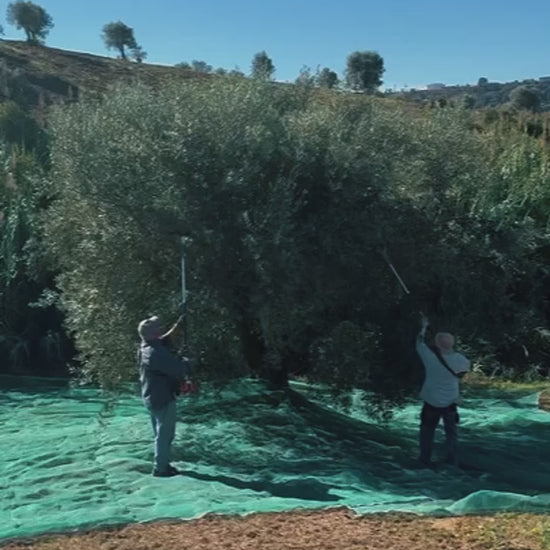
[(65, 75)]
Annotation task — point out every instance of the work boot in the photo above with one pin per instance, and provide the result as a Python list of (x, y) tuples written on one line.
[(426, 463), (169, 472)]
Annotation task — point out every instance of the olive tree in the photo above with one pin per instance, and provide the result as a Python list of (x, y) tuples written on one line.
[(285, 204), (32, 18), (262, 66), (118, 36), (364, 71), (326, 78), (244, 173)]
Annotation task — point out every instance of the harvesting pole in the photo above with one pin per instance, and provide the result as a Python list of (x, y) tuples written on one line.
[(384, 254), (183, 287), (183, 292)]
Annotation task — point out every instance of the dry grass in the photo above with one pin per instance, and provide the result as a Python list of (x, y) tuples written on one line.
[(62, 75)]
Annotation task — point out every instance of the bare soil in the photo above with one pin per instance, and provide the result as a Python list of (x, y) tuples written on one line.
[(332, 529)]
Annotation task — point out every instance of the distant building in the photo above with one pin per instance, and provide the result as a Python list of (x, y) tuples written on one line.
[(435, 86)]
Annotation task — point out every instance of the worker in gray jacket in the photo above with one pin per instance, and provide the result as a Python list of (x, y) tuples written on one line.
[(160, 374)]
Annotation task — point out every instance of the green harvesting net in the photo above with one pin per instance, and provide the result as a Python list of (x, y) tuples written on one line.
[(71, 458)]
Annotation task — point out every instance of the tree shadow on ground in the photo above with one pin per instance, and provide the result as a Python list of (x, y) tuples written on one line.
[(316, 450), (305, 489)]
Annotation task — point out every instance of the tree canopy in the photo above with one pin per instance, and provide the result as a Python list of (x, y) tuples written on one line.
[(524, 97), (326, 78), (262, 66), (201, 66), (32, 18), (364, 71), (117, 35), (285, 203)]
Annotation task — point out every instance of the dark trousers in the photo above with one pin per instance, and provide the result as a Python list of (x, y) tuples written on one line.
[(429, 419)]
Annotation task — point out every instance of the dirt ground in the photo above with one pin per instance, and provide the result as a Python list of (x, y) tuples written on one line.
[(333, 529), (544, 400)]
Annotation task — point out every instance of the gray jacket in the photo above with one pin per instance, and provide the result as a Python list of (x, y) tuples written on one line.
[(160, 373)]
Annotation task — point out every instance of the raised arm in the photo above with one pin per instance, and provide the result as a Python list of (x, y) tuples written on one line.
[(173, 333), (421, 347), (424, 322)]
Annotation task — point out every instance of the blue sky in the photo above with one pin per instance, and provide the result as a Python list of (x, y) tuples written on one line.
[(421, 41)]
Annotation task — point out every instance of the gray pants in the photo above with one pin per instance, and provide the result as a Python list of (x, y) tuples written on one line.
[(429, 419), (164, 428)]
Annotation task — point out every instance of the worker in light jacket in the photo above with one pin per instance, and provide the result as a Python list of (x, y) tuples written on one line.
[(443, 368)]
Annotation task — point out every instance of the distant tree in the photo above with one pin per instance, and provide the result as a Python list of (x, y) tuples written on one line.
[(201, 66), (220, 71), (236, 72), (305, 78), (326, 78), (262, 66), (32, 18), (364, 71), (1, 30), (138, 54), (183, 65), (482, 81), (524, 97), (117, 35)]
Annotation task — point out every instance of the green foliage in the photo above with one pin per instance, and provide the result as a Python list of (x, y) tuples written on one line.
[(262, 66), (346, 355), (524, 97), (16, 86), (236, 72), (305, 78), (118, 36), (138, 54), (15, 123), (468, 101), (286, 202), (201, 66), (17, 127), (326, 78), (364, 71), (31, 336), (32, 18)]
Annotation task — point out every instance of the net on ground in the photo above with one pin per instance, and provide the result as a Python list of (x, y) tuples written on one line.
[(74, 458)]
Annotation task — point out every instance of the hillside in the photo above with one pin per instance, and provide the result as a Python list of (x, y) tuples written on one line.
[(488, 95), (39, 75)]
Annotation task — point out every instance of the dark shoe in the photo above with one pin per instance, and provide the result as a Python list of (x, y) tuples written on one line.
[(428, 464), (169, 472)]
